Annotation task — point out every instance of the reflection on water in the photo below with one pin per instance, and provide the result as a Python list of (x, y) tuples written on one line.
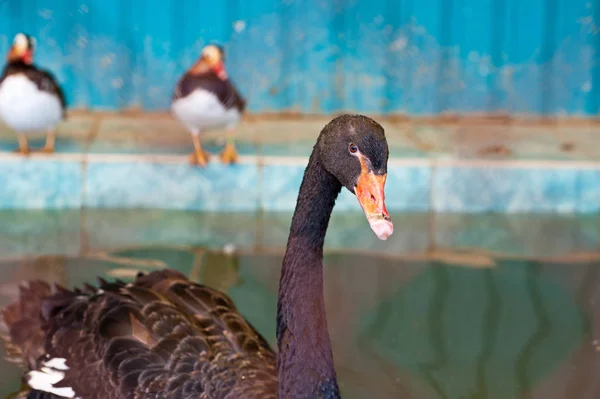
[(414, 329)]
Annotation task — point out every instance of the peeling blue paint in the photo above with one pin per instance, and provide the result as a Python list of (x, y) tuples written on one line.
[(320, 56)]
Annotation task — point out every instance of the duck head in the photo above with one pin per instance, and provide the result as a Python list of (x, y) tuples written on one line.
[(353, 148), (22, 48), (214, 56)]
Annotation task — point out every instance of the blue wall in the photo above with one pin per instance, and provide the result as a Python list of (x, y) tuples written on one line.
[(408, 56)]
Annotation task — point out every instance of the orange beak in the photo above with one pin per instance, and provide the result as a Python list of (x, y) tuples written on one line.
[(18, 54), (369, 192)]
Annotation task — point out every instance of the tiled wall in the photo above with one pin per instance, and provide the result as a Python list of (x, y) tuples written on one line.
[(413, 185)]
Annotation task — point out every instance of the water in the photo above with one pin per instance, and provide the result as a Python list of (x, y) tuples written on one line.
[(461, 325)]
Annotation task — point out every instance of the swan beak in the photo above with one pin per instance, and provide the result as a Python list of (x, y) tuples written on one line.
[(369, 192)]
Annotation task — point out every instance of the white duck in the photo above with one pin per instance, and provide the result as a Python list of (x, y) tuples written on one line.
[(30, 98), (205, 99)]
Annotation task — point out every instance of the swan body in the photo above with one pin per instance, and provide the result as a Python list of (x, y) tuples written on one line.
[(164, 336)]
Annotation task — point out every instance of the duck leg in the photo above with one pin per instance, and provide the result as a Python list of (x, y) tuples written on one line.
[(229, 154), (50, 139), (198, 157), (23, 145)]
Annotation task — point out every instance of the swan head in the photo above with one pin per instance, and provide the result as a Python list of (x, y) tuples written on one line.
[(22, 48), (353, 148)]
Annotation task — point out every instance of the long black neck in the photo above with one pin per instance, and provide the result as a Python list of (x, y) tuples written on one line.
[(305, 362)]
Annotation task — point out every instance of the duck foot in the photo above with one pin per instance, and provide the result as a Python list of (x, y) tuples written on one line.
[(229, 154), (22, 151), (199, 158), (23, 146), (49, 146), (47, 150)]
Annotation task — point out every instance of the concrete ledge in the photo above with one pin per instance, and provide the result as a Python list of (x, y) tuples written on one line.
[(140, 161)]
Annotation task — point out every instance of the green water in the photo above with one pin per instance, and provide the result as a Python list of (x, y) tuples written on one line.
[(406, 324)]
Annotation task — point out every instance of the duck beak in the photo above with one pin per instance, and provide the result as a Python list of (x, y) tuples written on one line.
[(369, 192), (17, 53), (13, 53)]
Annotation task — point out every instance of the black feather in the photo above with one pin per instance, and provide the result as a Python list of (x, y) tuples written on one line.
[(44, 80)]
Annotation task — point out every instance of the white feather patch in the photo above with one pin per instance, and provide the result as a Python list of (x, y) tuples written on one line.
[(202, 110), (57, 363), (51, 373), (25, 108)]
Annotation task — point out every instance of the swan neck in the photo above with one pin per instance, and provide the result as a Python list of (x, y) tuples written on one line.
[(305, 361)]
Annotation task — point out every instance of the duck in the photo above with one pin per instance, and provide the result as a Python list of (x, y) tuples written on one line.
[(204, 99), (31, 100), (164, 336)]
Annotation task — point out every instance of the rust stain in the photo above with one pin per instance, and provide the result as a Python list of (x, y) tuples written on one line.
[(567, 146), (499, 149)]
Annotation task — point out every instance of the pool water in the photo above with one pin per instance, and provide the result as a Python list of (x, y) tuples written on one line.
[(402, 326)]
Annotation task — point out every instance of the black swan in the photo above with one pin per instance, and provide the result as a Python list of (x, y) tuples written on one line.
[(164, 336), (30, 98), (204, 99)]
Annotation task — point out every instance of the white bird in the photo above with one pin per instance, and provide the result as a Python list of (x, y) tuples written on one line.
[(205, 99), (30, 98)]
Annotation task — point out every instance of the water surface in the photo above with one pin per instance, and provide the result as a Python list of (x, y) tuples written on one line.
[(423, 327)]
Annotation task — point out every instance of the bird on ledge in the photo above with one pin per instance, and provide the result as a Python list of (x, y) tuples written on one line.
[(30, 98), (204, 99)]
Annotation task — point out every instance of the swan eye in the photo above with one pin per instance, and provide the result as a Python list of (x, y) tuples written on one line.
[(352, 148)]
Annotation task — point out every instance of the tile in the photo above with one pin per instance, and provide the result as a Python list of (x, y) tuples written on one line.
[(497, 141), (587, 191), (514, 190), (400, 142), (39, 184), (280, 186), (542, 143), (171, 186), (407, 189), (433, 140)]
